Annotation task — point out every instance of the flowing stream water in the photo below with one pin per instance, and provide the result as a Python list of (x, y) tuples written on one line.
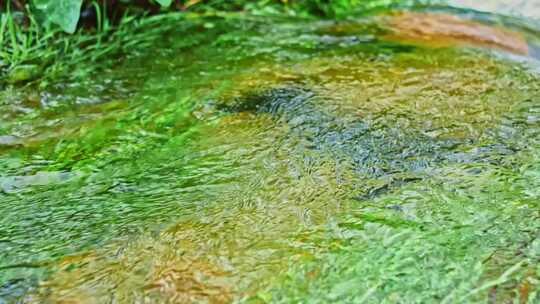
[(391, 157)]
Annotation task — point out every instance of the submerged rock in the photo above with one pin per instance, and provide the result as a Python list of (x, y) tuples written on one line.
[(11, 183), (274, 101), (373, 151), (8, 140), (23, 73), (438, 29)]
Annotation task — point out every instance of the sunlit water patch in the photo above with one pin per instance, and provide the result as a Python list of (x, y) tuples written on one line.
[(280, 160)]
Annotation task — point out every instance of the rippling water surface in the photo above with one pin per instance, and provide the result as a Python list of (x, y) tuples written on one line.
[(390, 157)]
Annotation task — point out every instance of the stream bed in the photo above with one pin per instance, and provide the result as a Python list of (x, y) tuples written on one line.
[(391, 157)]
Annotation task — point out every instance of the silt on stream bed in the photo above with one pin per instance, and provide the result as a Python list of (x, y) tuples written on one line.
[(277, 160)]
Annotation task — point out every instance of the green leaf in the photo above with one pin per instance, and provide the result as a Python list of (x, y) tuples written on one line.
[(164, 3), (64, 13)]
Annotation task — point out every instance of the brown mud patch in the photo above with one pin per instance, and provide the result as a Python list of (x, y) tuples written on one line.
[(441, 30), (145, 271)]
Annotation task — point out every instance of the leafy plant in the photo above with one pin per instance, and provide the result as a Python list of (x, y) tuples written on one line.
[(64, 13), (34, 47)]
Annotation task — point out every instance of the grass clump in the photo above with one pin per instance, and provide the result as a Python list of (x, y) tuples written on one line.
[(32, 52), (36, 50)]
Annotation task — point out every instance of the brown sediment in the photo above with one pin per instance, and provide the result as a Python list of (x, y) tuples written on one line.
[(145, 271), (190, 281), (438, 29)]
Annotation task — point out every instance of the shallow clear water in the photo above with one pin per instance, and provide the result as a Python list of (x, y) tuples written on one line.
[(279, 160)]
